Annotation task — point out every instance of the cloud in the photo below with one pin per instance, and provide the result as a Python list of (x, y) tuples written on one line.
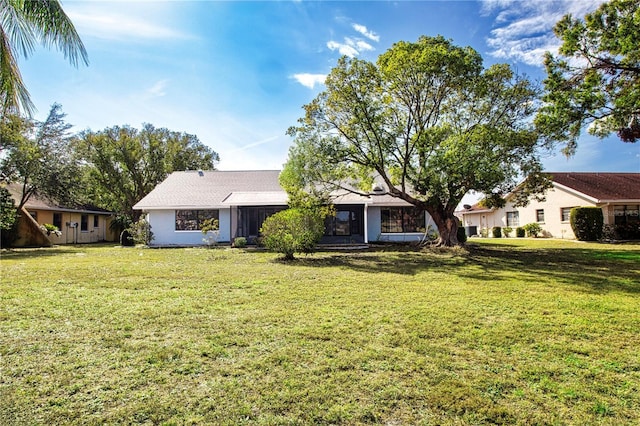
[(309, 80), (524, 29), (115, 26), (365, 32), (351, 47), (158, 89)]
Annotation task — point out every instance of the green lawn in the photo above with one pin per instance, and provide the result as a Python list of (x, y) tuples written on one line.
[(509, 332)]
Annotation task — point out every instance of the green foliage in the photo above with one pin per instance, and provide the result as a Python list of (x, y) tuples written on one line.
[(426, 121), (23, 24), (124, 164), (38, 157), (50, 229), (587, 223), (496, 232), (462, 235), (532, 229), (210, 228), (8, 218), (507, 230), (240, 242), (520, 232), (593, 82), (140, 232), (293, 231)]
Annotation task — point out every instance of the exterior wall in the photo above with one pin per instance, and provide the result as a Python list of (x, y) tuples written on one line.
[(552, 226), (375, 234), (74, 234), (163, 226)]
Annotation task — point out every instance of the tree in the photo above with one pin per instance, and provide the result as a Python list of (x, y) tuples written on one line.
[(24, 23), (594, 81), (123, 164), (37, 156), (428, 122)]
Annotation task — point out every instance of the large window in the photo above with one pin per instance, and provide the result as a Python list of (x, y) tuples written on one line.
[(624, 215), (84, 222), (57, 220), (402, 219), (513, 219), (191, 220), (96, 221)]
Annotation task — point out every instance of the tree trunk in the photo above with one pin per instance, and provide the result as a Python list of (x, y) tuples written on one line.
[(447, 228)]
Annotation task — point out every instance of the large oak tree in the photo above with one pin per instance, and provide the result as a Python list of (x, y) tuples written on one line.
[(428, 122)]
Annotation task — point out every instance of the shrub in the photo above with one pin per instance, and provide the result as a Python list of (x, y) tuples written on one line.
[(497, 232), (507, 230), (293, 231), (239, 242), (210, 228), (532, 229), (462, 235), (586, 223), (519, 232), (139, 233), (484, 232), (126, 239), (49, 229)]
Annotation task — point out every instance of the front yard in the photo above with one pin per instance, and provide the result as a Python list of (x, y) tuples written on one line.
[(511, 332)]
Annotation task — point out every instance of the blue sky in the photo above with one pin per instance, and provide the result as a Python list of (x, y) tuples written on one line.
[(237, 74)]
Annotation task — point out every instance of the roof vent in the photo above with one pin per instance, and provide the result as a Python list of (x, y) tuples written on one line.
[(377, 188), (200, 173), (466, 206)]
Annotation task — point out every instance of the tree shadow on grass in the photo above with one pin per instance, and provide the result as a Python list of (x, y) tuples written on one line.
[(35, 252), (591, 270)]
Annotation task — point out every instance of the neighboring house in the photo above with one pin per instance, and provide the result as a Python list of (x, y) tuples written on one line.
[(76, 225), (242, 200), (618, 194)]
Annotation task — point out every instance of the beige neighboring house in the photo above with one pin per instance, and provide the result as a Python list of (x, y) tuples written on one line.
[(76, 225), (618, 194)]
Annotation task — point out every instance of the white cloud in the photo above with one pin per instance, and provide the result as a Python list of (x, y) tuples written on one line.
[(116, 26), (365, 32), (310, 80), (524, 29), (345, 49), (158, 89)]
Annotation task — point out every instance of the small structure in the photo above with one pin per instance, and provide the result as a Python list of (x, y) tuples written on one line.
[(76, 225), (242, 200), (618, 194)]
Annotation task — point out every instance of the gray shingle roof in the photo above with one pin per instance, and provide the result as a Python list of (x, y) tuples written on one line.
[(207, 189)]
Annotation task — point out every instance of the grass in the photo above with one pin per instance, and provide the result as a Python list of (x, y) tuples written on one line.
[(507, 332)]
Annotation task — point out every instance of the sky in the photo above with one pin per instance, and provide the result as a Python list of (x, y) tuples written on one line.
[(237, 74)]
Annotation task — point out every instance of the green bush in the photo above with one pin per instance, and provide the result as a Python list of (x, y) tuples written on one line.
[(519, 232), (293, 231), (497, 232), (507, 230), (139, 233), (240, 242), (587, 223), (532, 229), (462, 235)]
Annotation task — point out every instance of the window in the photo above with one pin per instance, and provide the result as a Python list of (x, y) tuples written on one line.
[(513, 219), (540, 215), (84, 222), (34, 215), (565, 212), (191, 220), (402, 219), (57, 220), (624, 215), (96, 221)]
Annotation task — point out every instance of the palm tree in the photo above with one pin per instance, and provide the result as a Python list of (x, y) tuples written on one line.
[(23, 24)]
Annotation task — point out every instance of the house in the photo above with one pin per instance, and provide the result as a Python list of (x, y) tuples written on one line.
[(242, 200), (76, 225), (618, 194)]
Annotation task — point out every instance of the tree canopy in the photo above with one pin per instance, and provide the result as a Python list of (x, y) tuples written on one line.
[(23, 24), (427, 121), (594, 81), (123, 164)]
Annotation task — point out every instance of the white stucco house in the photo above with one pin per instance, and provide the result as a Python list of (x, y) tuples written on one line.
[(242, 200), (618, 194)]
